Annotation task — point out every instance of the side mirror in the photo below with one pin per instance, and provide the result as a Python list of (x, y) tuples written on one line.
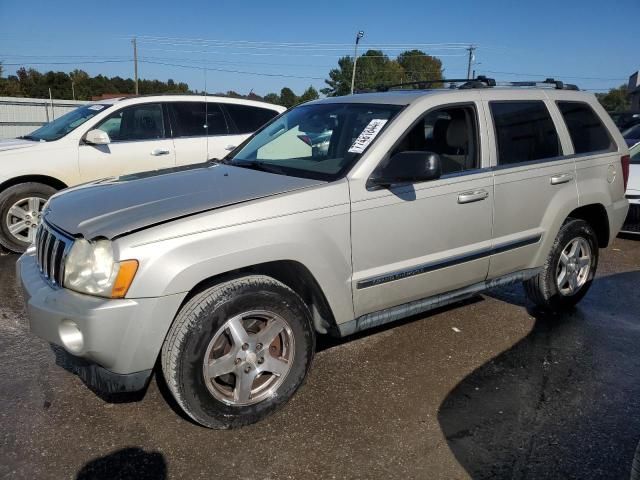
[(407, 167), (97, 137)]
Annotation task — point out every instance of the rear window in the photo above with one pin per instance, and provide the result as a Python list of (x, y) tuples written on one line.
[(196, 119), (249, 119), (524, 132), (586, 130)]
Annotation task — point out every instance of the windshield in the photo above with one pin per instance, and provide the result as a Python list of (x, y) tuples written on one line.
[(319, 141), (66, 123), (634, 152), (633, 132)]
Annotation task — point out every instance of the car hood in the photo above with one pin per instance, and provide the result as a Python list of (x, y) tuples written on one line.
[(15, 143), (113, 207)]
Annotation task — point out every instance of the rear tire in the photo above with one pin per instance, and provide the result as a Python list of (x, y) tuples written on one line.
[(20, 209), (569, 270), (238, 351)]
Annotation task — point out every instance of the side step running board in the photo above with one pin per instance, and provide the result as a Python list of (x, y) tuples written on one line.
[(405, 310)]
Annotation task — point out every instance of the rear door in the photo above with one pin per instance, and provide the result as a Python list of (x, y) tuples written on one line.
[(243, 121), (140, 141), (534, 181), (193, 124)]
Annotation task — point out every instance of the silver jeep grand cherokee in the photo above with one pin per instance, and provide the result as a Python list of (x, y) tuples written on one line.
[(339, 215)]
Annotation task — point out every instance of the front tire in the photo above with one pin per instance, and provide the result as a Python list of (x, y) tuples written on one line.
[(20, 212), (569, 270), (238, 351)]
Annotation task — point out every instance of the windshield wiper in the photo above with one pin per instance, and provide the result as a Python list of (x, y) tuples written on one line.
[(29, 137), (256, 165)]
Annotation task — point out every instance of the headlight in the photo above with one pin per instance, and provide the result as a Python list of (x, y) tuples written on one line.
[(90, 268)]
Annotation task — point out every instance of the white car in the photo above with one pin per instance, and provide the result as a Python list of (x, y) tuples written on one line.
[(111, 138), (632, 223)]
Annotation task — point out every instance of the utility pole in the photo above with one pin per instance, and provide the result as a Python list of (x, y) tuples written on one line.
[(135, 63), (471, 49), (73, 90), (355, 60)]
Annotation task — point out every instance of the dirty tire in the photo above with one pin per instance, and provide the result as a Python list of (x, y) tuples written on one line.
[(543, 289), (198, 321), (10, 196)]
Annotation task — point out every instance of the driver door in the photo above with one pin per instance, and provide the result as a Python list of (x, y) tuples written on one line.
[(139, 142), (414, 241)]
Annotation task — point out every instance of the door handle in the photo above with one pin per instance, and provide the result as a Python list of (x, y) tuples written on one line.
[(159, 151), (562, 178), (230, 147), (474, 196)]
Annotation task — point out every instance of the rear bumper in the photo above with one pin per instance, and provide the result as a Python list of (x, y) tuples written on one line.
[(617, 212), (121, 339), (632, 222)]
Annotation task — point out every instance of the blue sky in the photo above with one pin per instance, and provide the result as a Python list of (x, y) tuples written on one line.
[(589, 39)]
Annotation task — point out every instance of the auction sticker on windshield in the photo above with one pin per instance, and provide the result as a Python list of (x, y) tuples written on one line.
[(367, 135)]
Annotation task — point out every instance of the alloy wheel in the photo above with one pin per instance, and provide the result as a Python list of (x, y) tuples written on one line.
[(574, 266), (248, 358), (24, 217)]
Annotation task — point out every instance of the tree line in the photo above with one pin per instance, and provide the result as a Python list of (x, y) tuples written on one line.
[(374, 69)]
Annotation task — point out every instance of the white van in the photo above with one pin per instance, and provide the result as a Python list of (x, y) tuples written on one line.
[(111, 138)]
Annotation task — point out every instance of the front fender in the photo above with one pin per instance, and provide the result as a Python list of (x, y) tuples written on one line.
[(317, 238)]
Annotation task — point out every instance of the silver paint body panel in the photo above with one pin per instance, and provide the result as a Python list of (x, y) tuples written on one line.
[(189, 226)]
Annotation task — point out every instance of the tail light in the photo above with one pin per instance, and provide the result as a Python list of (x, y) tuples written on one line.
[(306, 140), (626, 159)]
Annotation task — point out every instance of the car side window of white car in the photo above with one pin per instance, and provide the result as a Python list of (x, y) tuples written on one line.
[(137, 122)]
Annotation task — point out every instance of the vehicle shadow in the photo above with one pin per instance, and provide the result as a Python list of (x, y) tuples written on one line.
[(128, 463), (564, 402)]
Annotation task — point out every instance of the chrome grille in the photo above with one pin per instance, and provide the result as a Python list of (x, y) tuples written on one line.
[(52, 248)]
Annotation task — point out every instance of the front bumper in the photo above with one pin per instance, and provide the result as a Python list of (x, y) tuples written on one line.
[(121, 337)]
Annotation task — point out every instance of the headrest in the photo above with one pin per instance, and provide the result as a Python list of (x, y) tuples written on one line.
[(457, 133)]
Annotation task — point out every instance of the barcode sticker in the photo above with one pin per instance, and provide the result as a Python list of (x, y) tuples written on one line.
[(367, 135)]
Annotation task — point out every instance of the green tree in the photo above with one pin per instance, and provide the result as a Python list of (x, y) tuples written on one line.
[(272, 98), (616, 99), (339, 81), (374, 69), (417, 66), (287, 98), (308, 95)]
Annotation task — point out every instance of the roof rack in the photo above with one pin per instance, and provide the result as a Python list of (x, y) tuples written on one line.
[(559, 85), (479, 82)]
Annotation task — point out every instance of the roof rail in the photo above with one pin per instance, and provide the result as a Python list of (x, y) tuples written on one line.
[(558, 85), (479, 82)]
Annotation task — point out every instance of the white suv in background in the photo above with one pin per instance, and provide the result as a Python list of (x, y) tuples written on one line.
[(111, 138)]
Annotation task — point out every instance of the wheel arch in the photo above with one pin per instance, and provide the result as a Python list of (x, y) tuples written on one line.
[(44, 179), (595, 214), (291, 273)]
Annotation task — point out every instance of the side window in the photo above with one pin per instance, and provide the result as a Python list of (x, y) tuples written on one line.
[(248, 119), (137, 122), (195, 119), (586, 130), (450, 132), (524, 132)]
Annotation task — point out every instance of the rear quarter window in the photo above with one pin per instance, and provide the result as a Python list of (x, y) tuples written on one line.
[(248, 119), (588, 133), (524, 131)]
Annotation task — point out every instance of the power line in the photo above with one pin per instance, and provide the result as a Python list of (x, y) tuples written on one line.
[(184, 41), (264, 74), (63, 63), (554, 76)]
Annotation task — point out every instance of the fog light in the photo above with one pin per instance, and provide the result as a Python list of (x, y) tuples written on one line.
[(71, 336)]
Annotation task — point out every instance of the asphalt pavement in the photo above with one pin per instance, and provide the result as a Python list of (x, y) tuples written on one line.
[(489, 388)]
